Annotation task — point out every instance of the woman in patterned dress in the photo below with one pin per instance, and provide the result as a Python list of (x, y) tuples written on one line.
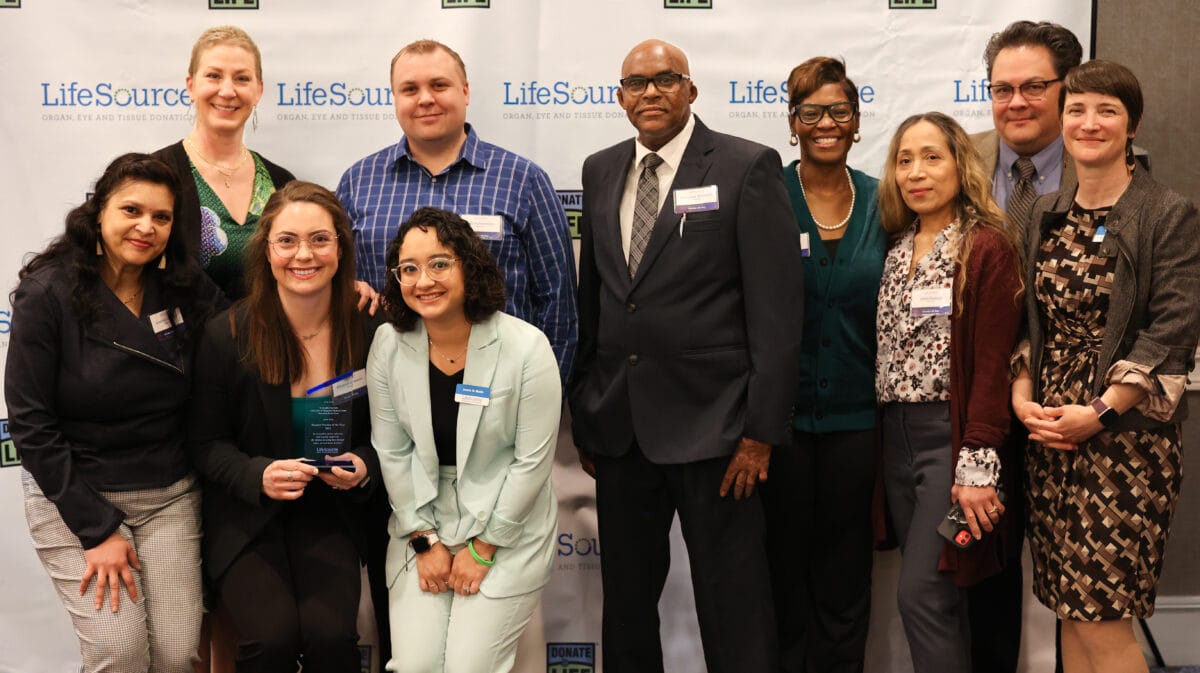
[(948, 318), (1113, 272)]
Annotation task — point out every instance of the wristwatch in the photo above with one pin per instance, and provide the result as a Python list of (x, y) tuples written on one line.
[(425, 542), (1108, 415)]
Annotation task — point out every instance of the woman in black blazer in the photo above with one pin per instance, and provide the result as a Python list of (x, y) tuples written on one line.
[(97, 381), (283, 535)]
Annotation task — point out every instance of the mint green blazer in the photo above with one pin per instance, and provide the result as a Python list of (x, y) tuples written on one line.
[(505, 451)]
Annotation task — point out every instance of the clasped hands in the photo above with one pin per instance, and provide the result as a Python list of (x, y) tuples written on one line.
[(438, 570), (1063, 428)]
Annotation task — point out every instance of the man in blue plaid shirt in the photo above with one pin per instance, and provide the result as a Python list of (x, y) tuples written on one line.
[(441, 162)]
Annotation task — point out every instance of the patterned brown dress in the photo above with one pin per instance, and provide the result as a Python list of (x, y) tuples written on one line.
[(1099, 516)]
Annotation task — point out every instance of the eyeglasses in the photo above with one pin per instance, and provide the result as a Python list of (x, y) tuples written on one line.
[(438, 268), (665, 82), (287, 245), (811, 114), (1032, 90)]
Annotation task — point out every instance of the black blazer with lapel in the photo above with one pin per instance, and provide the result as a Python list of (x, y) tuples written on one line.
[(237, 426), (701, 347)]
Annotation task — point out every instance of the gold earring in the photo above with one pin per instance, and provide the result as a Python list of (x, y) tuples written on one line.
[(162, 262), (794, 140), (99, 249)]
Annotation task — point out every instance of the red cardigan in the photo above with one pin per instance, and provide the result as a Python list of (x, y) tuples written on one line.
[(982, 335)]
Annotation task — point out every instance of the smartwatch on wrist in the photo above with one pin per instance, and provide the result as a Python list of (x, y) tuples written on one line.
[(425, 542), (1108, 415)]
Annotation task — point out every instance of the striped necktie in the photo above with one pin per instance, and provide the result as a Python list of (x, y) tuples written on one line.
[(645, 211), (1023, 196)]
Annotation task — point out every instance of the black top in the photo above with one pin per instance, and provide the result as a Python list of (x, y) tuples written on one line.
[(831, 246), (238, 424), (444, 412), (99, 406)]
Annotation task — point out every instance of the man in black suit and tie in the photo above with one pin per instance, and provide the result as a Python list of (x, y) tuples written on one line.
[(690, 301)]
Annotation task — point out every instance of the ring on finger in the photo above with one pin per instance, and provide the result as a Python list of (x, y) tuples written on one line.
[(994, 510), (291, 476)]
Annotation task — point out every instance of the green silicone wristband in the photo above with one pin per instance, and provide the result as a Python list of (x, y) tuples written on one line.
[(475, 555)]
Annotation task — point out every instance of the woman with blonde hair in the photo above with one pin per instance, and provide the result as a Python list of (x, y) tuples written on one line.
[(949, 315)]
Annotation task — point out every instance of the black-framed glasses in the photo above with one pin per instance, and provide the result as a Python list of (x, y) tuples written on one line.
[(810, 114), (1031, 90), (287, 245), (665, 82), (438, 268)]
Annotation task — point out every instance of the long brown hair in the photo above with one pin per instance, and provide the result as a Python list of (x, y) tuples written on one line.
[(269, 343), (974, 208)]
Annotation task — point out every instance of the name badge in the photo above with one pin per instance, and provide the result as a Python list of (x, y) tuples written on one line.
[(1098, 237), (480, 396), (696, 200), (487, 227), (805, 245), (329, 384), (931, 301), (161, 322), (350, 388)]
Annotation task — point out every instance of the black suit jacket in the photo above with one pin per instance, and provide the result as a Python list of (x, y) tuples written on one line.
[(701, 347), (237, 426)]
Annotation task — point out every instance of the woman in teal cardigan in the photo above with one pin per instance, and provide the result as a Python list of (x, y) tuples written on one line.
[(821, 487), (465, 405)]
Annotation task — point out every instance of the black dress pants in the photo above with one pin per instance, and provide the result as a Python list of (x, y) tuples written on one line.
[(818, 505), (636, 502), (293, 593)]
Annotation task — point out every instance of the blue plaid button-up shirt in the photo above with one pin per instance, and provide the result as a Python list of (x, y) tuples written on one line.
[(535, 254)]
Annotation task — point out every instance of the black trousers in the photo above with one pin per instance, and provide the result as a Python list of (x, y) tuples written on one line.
[(293, 593), (636, 502), (818, 507), (994, 610), (378, 510)]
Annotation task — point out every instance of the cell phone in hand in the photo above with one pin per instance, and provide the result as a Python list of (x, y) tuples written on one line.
[(955, 529)]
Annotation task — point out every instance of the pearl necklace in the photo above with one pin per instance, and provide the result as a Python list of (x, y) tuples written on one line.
[(828, 227)]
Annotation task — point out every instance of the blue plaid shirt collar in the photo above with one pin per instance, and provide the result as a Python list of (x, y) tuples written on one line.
[(470, 153)]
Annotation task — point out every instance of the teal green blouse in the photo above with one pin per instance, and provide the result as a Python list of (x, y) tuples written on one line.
[(836, 388)]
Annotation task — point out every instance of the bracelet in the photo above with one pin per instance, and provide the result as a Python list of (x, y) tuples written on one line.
[(475, 555)]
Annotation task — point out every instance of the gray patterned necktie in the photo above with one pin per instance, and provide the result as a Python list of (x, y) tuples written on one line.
[(645, 211), (1023, 195)]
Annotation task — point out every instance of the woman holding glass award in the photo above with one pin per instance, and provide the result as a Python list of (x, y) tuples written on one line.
[(465, 403), (280, 433)]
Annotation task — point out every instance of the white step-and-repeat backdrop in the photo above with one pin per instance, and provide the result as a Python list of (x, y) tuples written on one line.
[(84, 81)]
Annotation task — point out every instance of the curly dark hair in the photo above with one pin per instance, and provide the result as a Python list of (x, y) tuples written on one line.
[(482, 278), (75, 248)]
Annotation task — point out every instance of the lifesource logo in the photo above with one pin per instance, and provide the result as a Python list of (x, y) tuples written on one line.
[(107, 94)]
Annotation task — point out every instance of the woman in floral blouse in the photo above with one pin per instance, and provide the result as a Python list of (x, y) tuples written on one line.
[(949, 314)]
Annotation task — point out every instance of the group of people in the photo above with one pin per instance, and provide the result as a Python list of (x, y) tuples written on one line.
[(1002, 324)]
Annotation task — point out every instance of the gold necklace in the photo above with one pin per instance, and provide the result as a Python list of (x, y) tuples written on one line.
[(451, 360), (133, 296), (310, 337), (225, 171)]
